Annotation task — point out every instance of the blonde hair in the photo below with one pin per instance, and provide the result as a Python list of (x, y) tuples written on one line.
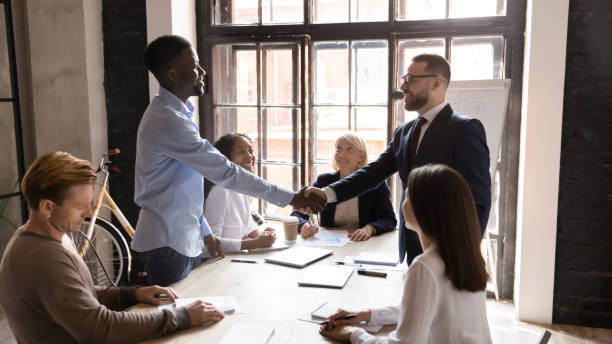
[(52, 174), (357, 142)]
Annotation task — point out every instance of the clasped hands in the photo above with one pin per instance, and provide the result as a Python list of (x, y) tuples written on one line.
[(309, 200)]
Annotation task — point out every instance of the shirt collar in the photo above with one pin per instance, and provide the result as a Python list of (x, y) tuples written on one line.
[(175, 103), (431, 114)]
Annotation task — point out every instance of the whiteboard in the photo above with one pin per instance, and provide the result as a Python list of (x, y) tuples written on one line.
[(486, 100)]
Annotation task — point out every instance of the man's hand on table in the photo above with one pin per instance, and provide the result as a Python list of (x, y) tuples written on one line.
[(201, 312), (155, 295)]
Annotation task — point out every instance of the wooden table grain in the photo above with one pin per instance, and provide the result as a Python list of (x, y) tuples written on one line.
[(269, 295)]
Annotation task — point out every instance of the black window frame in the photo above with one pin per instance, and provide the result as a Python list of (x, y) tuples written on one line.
[(511, 26)]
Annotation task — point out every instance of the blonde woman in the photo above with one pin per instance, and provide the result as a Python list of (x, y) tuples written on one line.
[(371, 213)]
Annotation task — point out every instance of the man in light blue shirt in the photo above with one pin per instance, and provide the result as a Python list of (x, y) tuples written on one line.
[(171, 160)]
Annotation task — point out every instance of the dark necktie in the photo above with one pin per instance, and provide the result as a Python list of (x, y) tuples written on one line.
[(413, 141)]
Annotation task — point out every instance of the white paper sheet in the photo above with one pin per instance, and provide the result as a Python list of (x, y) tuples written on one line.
[(226, 304), (350, 261)]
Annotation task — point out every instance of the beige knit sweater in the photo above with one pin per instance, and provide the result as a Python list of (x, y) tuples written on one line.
[(48, 296)]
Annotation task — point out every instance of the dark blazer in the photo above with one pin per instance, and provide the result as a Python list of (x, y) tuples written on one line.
[(375, 207), (451, 139)]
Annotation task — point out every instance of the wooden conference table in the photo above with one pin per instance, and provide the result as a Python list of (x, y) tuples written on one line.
[(269, 295)]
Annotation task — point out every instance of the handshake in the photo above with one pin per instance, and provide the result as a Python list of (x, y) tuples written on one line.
[(309, 200)]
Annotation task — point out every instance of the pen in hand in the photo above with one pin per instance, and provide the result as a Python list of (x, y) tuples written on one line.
[(346, 317)]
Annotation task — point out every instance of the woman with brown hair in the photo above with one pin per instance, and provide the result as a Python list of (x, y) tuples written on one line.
[(444, 294)]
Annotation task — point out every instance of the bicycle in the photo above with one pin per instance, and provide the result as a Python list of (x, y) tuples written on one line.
[(101, 245)]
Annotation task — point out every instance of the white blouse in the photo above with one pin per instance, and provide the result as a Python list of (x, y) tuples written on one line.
[(432, 310), (347, 214), (229, 217)]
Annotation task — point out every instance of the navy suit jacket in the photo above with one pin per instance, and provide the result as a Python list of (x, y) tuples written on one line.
[(452, 139), (375, 207)]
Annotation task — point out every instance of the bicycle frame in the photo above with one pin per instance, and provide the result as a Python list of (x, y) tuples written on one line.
[(103, 195)]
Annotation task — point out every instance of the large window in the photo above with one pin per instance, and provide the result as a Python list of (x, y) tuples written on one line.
[(12, 209), (295, 74)]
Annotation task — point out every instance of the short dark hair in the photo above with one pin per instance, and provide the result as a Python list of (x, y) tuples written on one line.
[(225, 145), (159, 54), (436, 64), (52, 174), (446, 212)]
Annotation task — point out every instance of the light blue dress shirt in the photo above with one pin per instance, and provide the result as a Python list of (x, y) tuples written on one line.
[(171, 159)]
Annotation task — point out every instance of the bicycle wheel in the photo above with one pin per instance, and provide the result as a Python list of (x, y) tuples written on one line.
[(106, 253)]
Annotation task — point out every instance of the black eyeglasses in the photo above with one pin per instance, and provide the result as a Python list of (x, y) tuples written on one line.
[(410, 79)]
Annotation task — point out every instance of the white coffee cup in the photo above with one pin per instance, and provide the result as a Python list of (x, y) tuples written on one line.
[(290, 225)]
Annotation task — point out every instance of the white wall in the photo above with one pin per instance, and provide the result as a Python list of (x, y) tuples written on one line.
[(67, 73), (538, 187), (171, 17)]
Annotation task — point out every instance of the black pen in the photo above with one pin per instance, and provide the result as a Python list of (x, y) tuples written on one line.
[(371, 273), (243, 261), (346, 317)]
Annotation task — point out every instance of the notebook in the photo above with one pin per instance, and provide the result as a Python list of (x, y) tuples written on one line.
[(326, 276), (376, 258), (248, 333), (324, 311), (299, 256)]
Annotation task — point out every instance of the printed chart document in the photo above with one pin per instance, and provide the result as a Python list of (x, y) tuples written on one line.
[(376, 259), (326, 276), (299, 256), (248, 333), (326, 237), (226, 304)]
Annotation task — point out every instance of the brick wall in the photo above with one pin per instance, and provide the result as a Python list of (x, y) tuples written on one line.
[(583, 273), (127, 91)]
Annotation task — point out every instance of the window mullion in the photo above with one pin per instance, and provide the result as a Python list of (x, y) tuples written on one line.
[(350, 84)]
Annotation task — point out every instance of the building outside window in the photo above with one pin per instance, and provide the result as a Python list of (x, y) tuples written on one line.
[(295, 74)]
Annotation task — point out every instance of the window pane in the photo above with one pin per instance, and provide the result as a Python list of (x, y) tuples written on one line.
[(10, 218), (371, 125), (282, 133), (369, 77), (369, 10), (237, 119), (322, 168), (330, 11), (477, 8), (403, 116), (476, 58), (235, 74), (329, 123), (283, 175), (331, 72), (281, 75), (421, 9), (408, 49), (236, 12), (5, 72), (282, 11)]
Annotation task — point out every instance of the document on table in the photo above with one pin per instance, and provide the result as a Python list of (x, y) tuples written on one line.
[(326, 237), (226, 304), (327, 309), (248, 333), (350, 261)]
